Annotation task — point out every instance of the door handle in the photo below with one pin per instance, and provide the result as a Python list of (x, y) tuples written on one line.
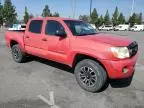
[(44, 39), (27, 36)]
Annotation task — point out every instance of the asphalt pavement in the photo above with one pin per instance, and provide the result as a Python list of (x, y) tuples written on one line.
[(21, 84)]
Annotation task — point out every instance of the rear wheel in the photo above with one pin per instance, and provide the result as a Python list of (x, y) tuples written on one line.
[(17, 54), (90, 75)]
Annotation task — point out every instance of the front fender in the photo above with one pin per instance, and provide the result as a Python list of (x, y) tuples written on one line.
[(88, 52)]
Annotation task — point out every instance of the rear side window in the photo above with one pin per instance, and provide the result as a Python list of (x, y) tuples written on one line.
[(35, 26)]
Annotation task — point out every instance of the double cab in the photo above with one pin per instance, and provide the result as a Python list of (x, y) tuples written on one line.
[(95, 57)]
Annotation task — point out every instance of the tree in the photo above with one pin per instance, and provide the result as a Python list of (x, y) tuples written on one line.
[(140, 18), (26, 16), (1, 14), (46, 11), (84, 18), (115, 17), (100, 21), (94, 16), (7, 1), (9, 13), (107, 18), (121, 19), (56, 14), (133, 19)]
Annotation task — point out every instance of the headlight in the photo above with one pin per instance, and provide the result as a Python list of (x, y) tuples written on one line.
[(120, 52)]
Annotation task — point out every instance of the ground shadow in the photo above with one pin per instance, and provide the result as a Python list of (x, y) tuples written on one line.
[(117, 83), (51, 63), (121, 83), (114, 83)]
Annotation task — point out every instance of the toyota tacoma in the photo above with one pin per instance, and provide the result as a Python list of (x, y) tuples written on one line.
[(95, 57)]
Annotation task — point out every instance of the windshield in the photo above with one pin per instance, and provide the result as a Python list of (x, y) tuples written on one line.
[(80, 28)]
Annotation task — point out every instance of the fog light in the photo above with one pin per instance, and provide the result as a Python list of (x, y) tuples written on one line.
[(125, 70)]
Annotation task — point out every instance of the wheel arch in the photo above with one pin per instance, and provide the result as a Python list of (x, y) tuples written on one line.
[(79, 57), (13, 42)]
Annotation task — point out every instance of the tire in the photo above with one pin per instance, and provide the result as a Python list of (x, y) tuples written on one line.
[(92, 80), (17, 54)]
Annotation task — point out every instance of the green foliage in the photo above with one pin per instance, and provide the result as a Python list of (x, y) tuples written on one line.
[(94, 16), (121, 19), (84, 18), (140, 18), (133, 19), (107, 18), (46, 11), (1, 15), (7, 1), (9, 13), (100, 21), (26, 16), (56, 14), (115, 17)]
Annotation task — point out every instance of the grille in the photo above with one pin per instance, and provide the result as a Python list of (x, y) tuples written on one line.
[(133, 48)]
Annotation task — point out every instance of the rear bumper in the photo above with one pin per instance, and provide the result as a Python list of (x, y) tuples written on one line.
[(115, 68)]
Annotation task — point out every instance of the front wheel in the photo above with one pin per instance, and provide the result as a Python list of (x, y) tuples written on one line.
[(17, 54), (90, 75)]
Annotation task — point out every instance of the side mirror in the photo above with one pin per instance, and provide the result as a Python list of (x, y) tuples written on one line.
[(61, 33)]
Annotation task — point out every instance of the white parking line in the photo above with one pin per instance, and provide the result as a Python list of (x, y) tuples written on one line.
[(50, 102)]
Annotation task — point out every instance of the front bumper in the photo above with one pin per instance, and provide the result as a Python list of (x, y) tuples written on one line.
[(115, 68)]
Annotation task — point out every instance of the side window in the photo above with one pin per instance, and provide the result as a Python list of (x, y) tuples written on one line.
[(35, 26), (53, 26)]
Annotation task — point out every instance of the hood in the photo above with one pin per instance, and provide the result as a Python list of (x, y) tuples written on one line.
[(108, 39)]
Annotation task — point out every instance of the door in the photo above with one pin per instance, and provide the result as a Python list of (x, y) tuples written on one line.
[(33, 38), (56, 45)]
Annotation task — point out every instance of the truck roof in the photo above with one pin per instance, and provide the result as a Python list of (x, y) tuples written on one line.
[(54, 18)]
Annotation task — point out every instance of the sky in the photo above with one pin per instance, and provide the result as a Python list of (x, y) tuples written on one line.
[(64, 7)]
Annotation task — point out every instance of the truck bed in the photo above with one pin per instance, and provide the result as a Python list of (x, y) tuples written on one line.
[(17, 30), (14, 35)]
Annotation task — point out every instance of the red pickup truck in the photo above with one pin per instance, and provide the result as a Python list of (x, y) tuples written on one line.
[(94, 56)]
